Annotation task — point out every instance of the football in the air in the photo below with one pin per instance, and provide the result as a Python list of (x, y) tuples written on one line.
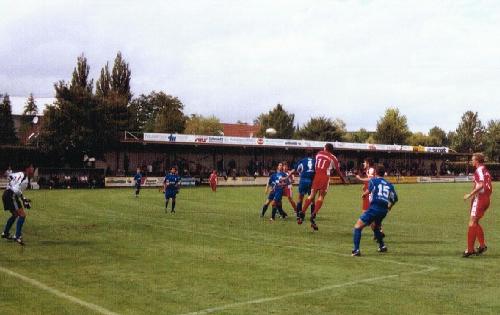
[(270, 131)]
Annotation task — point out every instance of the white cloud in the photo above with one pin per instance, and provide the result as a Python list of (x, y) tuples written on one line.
[(235, 59)]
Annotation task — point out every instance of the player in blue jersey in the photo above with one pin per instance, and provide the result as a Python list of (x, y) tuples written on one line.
[(274, 189), (137, 182), (382, 198), (171, 185), (305, 169)]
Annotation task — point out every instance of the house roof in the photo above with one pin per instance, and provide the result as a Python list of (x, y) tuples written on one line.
[(240, 130)]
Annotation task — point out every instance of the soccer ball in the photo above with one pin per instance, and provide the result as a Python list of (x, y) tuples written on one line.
[(271, 131)]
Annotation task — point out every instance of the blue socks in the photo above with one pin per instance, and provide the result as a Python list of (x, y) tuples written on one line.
[(19, 227), (264, 209), (356, 235), (9, 224), (378, 236)]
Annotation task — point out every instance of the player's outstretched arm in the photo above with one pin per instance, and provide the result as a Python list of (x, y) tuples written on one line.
[(363, 179)]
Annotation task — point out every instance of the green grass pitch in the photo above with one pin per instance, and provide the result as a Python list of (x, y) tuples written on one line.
[(215, 255)]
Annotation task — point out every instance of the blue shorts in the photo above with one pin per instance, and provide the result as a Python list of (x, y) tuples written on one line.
[(278, 194), (137, 186), (373, 215), (170, 193), (271, 195), (305, 187)]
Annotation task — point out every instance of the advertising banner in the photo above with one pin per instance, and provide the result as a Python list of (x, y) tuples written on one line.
[(285, 143)]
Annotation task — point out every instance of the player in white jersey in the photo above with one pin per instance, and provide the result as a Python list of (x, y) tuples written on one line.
[(15, 202)]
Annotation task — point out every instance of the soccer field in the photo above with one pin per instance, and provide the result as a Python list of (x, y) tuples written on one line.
[(106, 252)]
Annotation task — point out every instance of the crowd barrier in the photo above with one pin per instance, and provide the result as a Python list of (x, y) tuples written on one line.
[(262, 181), (147, 181)]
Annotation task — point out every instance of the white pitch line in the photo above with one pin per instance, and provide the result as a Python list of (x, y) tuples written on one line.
[(310, 291), (58, 293)]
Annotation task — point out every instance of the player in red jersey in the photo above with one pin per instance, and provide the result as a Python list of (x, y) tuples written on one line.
[(369, 168), (480, 202), (325, 161), (212, 180), (288, 191)]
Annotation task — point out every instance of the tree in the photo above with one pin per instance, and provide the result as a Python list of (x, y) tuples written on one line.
[(492, 140), (469, 134), (437, 137), (279, 119), (113, 94), (419, 138), (169, 115), (7, 130), (74, 124), (392, 128), (103, 84), (322, 129), (199, 125), (30, 111), (360, 136)]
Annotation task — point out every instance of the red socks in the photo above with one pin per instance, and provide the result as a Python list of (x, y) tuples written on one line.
[(317, 206), (471, 238), (480, 235), (474, 232), (306, 205)]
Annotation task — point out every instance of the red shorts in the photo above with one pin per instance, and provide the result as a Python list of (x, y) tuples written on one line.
[(479, 205), (288, 192), (366, 203), (321, 183)]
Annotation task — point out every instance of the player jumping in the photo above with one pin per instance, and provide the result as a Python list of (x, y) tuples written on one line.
[(171, 185), (15, 202), (325, 161), (383, 197), (479, 204), (305, 169)]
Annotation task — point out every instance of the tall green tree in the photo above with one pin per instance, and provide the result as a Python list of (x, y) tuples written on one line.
[(7, 130), (322, 129), (392, 128), (469, 134), (113, 94), (29, 112), (74, 124), (437, 137), (279, 119), (200, 125), (492, 140)]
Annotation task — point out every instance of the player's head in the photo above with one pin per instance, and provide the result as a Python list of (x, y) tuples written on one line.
[(214, 172), (29, 170), (380, 171), (285, 166), (173, 170), (138, 171), (368, 162), (309, 153), (477, 159), (329, 147), (280, 167)]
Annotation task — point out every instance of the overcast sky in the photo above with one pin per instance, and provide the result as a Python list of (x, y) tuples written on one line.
[(235, 59)]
